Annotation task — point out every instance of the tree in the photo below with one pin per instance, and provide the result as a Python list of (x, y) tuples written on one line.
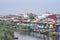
[(31, 16)]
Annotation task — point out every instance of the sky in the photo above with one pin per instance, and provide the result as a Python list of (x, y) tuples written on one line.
[(28, 6)]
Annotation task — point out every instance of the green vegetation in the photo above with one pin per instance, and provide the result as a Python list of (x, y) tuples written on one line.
[(6, 32), (31, 16), (23, 29)]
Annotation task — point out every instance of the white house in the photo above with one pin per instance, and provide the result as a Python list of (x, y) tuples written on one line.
[(42, 15)]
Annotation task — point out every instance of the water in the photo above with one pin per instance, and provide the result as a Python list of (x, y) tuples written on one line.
[(22, 37)]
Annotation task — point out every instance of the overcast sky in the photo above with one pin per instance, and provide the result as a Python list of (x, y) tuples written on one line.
[(24, 6)]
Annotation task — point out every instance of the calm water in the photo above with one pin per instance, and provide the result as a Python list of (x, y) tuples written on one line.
[(22, 37)]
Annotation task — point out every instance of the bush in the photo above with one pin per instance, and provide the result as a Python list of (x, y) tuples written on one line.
[(6, 33)]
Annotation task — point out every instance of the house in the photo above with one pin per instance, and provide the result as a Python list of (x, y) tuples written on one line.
[(23, 16), (42, 15), (58, 17)]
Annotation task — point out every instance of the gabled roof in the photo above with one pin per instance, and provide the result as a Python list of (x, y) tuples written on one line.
[(35, 21), (28, 20)]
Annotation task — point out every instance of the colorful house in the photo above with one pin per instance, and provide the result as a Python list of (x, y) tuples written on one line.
[(52, 19)]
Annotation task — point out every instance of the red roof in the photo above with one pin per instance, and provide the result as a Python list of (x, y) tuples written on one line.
[(53, 16)]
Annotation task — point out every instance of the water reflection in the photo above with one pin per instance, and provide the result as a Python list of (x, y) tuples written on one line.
[(25, 37)]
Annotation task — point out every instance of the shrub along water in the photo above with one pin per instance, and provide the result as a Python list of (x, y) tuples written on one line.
[(6, 32)]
